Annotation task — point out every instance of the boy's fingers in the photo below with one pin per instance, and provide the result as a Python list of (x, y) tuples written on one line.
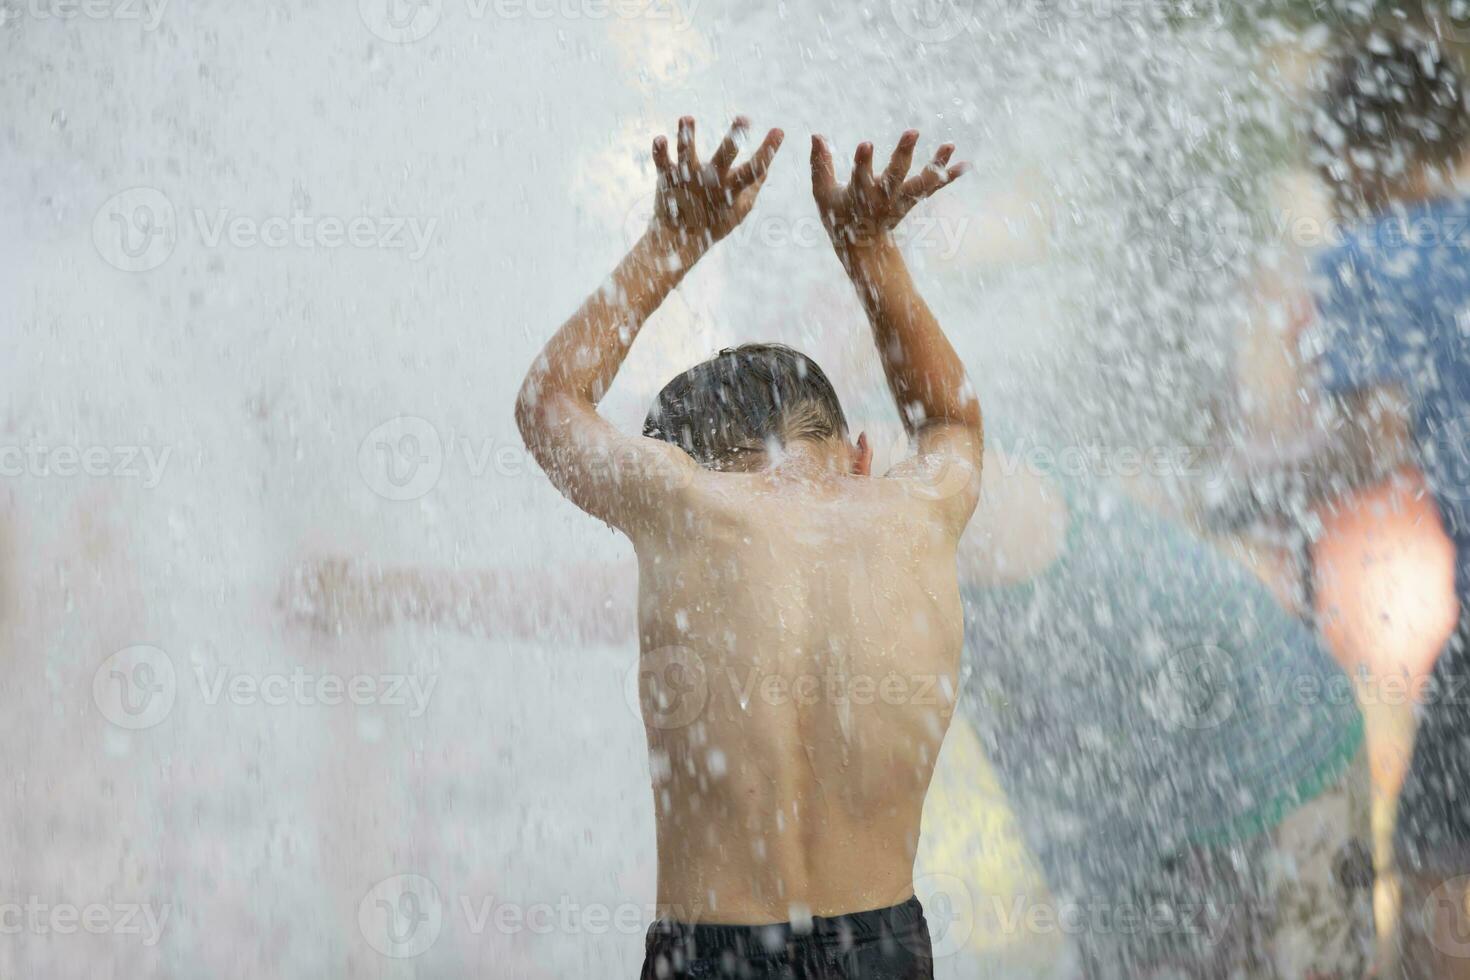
[(824, 180), (661, 156), (730, 149), (934, 176), (902, 159), (688, 158), (942, 155), (927, 182), (862, 165), (754, 170)]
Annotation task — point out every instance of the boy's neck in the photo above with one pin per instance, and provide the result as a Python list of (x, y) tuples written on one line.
[(810, 458)]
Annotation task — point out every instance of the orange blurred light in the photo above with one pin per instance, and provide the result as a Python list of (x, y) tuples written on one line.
[(1385, 578)]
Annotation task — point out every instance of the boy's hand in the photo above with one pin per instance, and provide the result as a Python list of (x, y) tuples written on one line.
[(699, 203), (864, 213)]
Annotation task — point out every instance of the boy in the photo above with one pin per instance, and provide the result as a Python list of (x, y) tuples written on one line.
[(768, 559)]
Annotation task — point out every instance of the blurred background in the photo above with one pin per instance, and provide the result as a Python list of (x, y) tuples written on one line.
[(310, 671)]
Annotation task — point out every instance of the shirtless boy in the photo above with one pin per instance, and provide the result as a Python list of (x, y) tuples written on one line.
[(813, 610)]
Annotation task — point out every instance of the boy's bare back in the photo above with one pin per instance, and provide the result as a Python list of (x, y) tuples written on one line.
[(801, 642)]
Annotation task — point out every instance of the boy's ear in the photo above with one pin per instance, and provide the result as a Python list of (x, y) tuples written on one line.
[(862, 456)]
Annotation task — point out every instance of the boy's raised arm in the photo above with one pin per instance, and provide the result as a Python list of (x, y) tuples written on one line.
[(927, 378), (608, 474)]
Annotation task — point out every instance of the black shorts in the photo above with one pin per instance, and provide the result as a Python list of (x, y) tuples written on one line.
[(885, 944), (1433, 832)]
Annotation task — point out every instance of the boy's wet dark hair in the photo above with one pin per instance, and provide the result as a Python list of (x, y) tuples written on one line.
[(1393, 101), (729, 411)]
